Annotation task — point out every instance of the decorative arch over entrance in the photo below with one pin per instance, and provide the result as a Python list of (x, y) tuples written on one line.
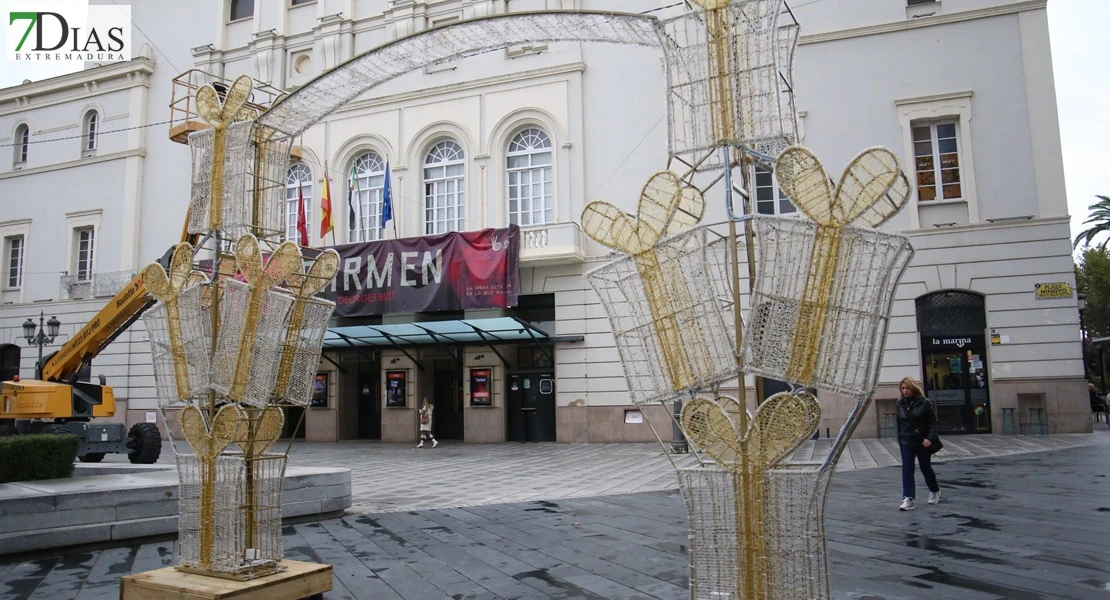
[(761, 99), (953, 325)]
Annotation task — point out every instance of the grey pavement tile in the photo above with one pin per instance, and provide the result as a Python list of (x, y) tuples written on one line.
[(359, 580), (22, 580), (110, 565), (1012, 525), (66, 577)]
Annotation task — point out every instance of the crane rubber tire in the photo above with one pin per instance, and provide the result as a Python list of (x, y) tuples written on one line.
[(7, 429), (148, 443), (91, 457), (56, 429)]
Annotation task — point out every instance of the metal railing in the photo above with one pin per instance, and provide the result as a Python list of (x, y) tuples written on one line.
[(183, 108)]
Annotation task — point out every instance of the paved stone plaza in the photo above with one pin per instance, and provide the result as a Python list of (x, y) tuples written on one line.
[(604, 522)]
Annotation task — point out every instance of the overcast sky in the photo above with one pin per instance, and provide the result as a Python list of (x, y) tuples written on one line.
[(1081, 61)]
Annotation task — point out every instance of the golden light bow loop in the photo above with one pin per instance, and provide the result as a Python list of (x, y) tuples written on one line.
[(667, 205)]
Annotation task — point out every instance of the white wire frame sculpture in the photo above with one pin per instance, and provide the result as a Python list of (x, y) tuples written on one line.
[(765, 36), (235, 335), (755, 113)]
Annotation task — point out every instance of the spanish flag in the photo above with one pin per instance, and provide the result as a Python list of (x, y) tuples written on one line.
[(325, 210)]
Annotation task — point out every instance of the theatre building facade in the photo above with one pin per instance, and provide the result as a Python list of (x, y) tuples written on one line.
[(475, 293)]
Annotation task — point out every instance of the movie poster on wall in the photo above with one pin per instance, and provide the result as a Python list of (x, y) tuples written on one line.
[(395, 389), (481, 393)]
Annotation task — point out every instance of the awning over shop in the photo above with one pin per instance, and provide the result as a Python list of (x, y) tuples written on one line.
[(462, 332)]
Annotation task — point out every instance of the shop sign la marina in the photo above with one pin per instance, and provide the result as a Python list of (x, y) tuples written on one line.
[(71, 32)]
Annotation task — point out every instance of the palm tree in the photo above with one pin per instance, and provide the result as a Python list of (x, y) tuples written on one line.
[(1099, 221)]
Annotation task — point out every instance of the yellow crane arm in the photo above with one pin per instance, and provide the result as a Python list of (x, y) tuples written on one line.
[(107, 325), (112, 320)]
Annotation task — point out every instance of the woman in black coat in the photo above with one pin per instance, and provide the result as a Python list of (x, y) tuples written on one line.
[(917, 430)]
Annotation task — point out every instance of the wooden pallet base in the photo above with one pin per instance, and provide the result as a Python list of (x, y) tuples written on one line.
[(297, 581)]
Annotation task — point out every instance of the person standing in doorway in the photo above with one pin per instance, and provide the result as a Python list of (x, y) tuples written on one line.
[(917, 429), (426, 424)]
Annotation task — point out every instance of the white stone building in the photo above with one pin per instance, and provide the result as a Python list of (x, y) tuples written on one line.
[(962, 90)]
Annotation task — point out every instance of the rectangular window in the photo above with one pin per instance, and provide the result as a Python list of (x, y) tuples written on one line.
[(769, 199), (84, 258), (936, 152), (15, 262)]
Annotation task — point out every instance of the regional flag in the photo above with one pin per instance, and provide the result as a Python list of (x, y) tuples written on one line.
[(302, 221), (351, 200), (325, 210)]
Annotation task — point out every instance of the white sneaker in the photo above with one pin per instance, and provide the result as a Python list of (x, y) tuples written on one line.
[(435, 443), (907, 504), (420, 445), (934, 497)]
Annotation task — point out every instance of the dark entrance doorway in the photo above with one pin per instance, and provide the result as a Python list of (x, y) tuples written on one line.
[(294, 423), (369, 401), (954, 360), (9, 362), (447, 396), (531, 407)]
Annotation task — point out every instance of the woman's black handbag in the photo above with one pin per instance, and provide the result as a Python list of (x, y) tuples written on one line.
[(934, 445)]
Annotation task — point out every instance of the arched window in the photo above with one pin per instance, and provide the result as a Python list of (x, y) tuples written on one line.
[(22, 143), (444, 188), (298, 184), (89, 129), (528, 165), (241, 9), (951, 311), (368, 175)]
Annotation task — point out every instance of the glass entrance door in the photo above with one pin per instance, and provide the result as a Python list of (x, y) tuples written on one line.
[(956, 383)]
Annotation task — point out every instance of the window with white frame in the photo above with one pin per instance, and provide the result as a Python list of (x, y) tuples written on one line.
[(769, 199), (369, 187), (528, 165), (22, 143), (298, 184), (241, 9), (444, 188), (936, 150), (89, 130), (14, 252), (84, 244)]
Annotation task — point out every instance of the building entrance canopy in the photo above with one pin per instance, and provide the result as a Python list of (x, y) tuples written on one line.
[(463, 332)]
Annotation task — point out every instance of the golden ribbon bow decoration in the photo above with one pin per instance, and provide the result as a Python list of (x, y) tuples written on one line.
[(718, 24), (260, 278), (208, 442), (220, 115), (257, 437), (871, 190), (167, 287), (304, 286), (779, 426), (667, 205)]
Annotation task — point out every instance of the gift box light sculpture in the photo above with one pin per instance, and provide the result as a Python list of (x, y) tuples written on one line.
[(820, 305), (232, 338), (820, 301)]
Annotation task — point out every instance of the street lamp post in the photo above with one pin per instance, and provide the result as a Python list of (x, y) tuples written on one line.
[(1082, 298), (45, 335)]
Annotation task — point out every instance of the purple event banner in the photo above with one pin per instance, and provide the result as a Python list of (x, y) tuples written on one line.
[(451, 271)]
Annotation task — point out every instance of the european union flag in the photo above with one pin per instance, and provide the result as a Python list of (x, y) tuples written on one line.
[(387, 199)]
